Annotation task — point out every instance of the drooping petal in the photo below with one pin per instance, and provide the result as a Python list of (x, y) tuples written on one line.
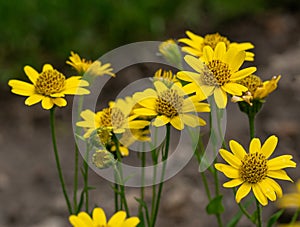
[(33, 99), (220, 98), (177, 123), (160, 121), (281, 162), (206, 90), (233, 183), (275, 186), (267, 190), (262, 199), (228, 170), (269, 146), (237, 149), (243, 190), (254, 146), (59, 102), (47, 103), (99, 217), (192, 120), (31, 73), (230, 158), (138, 124), (117, 219), (279, 174)]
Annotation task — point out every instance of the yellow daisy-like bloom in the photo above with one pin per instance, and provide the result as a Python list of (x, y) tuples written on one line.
[(254, 171), (217, 73), (291, 200), (196, 43), (96, 68), (257, 89), (169, 105), (296, 224), (98, 219), (49, 87), (166, 76)]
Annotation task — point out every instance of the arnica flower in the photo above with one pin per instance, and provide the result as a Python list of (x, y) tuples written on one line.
[(169, 105), (291, 200), (254, 171), (95, 68), (257, 89), (217, 73), (49, 87), (103, 159), (171, 52), (166, 76), (196, 43), (98, 219)]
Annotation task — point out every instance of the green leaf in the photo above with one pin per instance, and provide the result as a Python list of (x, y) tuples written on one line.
[(215, 206), (274, 218), (233, 222)]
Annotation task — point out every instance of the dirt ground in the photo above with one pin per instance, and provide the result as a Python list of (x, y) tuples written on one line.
[(30, 195)]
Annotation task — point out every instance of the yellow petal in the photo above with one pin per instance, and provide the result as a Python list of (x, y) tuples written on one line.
[(243, 73), (237, 149), (59, 102), (230, 159), (281, 162), (148, 102), (160, 86), (228, 170), (255, 145), (117, 219), (243, 190), (192, 120), (219, 51), (76, 91), (233, 183), (177, 123), (206, 91), (21, 88), (138, 124), (188, 76), (33, 99), (195, 63), (269, 146), (279, 174), (208, 54), (234, 88), (160, 121), (31, 73), (236, 61), (220, 98), (262, 199), (47, 67), (85, 218), (124, 151), (192, 51), (267, 190), (131, 222), (191, 88), (275, 186), (99, 216), (47, 103), (77, 222), (145, 112)]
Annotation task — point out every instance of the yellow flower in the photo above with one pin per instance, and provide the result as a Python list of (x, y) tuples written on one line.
[(49, 87), (98, 219), (291, 200), (80, 65), (254, 171), (165, 76), (195, 44), (168, 105), (217, 73), (257, 89), (171, 52), (296, 224), (95, 68)]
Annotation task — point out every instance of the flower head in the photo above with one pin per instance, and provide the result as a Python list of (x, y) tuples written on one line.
[(171, 52), (98, 219), (291, 200), (254, 170), (49, 87), (257, 89), (195, 44), (217, 73), (169, 105), (166, 76)]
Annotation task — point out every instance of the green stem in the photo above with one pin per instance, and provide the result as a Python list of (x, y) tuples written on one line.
[(251, 118), (58, 166), (86, 179), (75, 186), (259, 214), (295, 216), (164, 160)]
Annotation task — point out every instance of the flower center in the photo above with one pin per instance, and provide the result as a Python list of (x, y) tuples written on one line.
[(169, 103), (254, 168), (104, 135), (213, 39), (217, 73), (105, 118), (117, 118), (50, 82), (252, 82)]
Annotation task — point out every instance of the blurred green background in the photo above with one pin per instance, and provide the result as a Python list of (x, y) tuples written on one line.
[(38, 31)]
